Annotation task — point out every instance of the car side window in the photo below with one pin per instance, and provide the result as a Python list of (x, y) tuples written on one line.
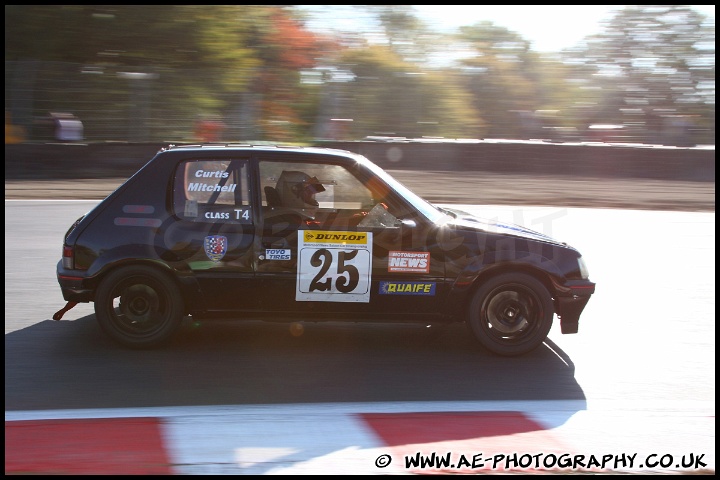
[(212, 190), (317, 195)]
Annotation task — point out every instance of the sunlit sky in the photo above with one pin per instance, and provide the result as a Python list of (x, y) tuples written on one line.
[(550, 28)]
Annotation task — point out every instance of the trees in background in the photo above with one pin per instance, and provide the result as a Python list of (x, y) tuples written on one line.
[(653, 67), (151, 72)]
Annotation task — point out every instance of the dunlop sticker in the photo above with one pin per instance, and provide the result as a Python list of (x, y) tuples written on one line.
[(322, 237)]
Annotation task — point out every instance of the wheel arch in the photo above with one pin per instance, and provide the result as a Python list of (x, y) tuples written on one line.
[(522, 317), (184, 280), (139, 305), (461, 295)]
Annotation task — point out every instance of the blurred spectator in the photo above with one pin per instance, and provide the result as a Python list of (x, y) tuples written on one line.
[(209, 130), (13, 133), (654, 128), (678, 131), (530, 125), (68, 128)]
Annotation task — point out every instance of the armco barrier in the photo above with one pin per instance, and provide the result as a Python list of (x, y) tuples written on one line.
[(76, 160), (109, 160), (543, 158)]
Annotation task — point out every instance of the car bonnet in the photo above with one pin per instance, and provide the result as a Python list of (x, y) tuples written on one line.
[(467, 220)]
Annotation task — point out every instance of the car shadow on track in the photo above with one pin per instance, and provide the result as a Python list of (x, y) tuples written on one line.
[(72, 364)]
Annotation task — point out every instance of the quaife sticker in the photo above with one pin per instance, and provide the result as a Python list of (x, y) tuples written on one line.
[(407, 288), (277, 253), (412, 262), (334, 266), (215, 247)]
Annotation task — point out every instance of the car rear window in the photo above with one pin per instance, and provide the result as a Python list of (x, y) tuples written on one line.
[(210, 190)]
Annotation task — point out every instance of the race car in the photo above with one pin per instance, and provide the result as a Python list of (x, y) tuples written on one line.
[(308, 234)]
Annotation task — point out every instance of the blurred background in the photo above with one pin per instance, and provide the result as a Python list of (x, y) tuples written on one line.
[(304, 74)]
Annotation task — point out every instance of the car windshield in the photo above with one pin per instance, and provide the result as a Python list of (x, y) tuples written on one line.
[(427, 209)]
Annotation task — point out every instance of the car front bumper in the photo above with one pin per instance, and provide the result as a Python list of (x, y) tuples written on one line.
[(571, 302)]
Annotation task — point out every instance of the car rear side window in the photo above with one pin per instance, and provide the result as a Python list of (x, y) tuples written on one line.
[(212, 190)]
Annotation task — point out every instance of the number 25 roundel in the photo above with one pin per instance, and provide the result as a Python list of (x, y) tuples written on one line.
[(334, 266)]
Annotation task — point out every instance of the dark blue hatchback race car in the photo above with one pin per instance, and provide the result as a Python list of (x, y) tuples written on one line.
[(308, 234)]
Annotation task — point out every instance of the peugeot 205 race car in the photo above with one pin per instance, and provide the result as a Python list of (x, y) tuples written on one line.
[(307, 234)]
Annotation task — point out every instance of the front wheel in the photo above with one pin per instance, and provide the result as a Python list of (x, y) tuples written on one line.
[(139, 306), (511, 314)]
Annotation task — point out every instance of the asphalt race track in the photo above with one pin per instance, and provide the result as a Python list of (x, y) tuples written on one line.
[(632, 392)]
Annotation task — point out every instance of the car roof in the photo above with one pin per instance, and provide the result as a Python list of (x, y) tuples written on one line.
[(241, 147)]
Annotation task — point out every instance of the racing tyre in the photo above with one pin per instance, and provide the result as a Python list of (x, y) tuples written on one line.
[(511, 314), (139, 307)]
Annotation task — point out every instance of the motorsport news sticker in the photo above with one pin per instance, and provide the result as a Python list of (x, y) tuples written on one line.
[(413, 262), (277, 254), (333, 266), (407, 288), (215, 247)]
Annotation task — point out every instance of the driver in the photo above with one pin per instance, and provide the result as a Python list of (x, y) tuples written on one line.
[(307, 189), (298, 189)]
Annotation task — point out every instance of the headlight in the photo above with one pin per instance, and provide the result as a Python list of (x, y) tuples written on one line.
[(584, 274)]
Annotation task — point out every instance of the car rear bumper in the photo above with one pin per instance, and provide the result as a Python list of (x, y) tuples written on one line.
[(74, 286)]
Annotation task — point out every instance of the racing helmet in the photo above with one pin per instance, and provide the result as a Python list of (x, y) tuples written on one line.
[(298, 189)]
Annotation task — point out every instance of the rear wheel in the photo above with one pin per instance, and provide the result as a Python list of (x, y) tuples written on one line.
[(139, 306), (511, 314)]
